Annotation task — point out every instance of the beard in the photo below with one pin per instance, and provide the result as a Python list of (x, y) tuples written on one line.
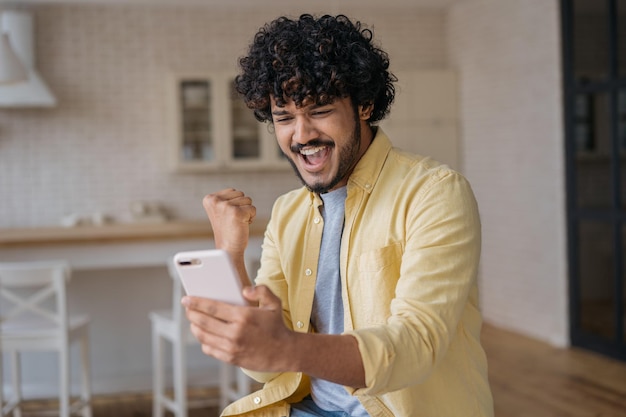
[(348, 157)]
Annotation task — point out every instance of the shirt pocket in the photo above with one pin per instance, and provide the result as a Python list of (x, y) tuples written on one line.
[(379, 271), (387, 258)]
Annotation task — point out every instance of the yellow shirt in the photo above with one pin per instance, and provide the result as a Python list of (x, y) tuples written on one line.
[(409, 256)]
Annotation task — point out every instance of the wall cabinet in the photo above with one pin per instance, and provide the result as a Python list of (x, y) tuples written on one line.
[(215, 131)]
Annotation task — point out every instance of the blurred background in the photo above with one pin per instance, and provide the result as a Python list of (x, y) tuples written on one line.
[(129, 120)]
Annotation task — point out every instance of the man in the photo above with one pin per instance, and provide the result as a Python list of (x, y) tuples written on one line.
[(366, 301)]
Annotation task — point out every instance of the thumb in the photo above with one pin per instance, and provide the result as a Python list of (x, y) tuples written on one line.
[(263, 296)]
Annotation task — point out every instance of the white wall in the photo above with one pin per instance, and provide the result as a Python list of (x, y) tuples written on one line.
[(507, 53)]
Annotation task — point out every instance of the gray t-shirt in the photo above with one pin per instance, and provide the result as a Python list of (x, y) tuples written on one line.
[(327, 315)]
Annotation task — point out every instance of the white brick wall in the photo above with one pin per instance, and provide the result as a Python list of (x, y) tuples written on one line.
[(507, 53), (105, 145)]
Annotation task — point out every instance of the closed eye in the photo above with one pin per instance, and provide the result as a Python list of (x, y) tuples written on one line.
[(282, 119), (321, 112)]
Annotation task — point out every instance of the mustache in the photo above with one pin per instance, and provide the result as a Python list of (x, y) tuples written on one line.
[(297, 147)]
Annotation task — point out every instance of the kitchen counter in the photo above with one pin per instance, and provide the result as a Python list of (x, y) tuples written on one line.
[(116, 245), (114, 232)]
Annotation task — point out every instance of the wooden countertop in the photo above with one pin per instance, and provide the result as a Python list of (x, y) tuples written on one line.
[(115, 232)]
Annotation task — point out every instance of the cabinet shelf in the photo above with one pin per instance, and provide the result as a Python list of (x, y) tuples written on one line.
[(196, 134), (215, 131)]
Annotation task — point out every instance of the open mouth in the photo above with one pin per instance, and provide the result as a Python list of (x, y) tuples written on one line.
[(315, 156)]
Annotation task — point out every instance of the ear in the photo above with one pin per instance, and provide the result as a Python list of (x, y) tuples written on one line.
[(365, 111)]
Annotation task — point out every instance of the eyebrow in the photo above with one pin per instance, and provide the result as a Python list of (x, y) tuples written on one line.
[(281, 112)]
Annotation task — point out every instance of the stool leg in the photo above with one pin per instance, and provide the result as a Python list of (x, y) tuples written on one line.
[(16, 376), (243, 383), (1, 387), (64, 382), (225, 385), (157, 377), (180, 377), (86, 375)]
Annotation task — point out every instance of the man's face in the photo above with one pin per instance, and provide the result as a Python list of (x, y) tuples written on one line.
[(323, 143)]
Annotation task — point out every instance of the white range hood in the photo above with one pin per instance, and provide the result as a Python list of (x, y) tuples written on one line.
[(19, 26)]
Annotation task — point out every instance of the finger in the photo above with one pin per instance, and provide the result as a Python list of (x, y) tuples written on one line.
[(228, 194), (215, 199), (207, 323), (205, 306), (217, 337), (214, 345), (240, 200), (207, 335), (233, 195), (218, 353), (219, 202), (264, 296), (251, 212)]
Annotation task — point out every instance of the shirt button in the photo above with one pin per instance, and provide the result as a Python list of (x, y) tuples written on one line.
[(257, 400), (308, 272), (368, 186), (316, 220), (300, 325)]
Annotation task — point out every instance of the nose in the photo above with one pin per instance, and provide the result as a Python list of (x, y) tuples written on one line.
[(304, 130)]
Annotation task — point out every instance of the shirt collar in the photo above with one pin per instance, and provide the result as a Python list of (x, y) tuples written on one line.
[(367, 170)]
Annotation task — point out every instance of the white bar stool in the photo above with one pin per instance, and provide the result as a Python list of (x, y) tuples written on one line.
[(172, 326), (34, 318)]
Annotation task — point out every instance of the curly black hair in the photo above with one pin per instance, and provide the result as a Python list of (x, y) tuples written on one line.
[(315, 60)]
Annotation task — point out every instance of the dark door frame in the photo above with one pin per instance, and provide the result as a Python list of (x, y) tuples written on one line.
[(615, 216)]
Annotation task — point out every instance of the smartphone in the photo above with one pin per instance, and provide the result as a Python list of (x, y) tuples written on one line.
[(209, 274)]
